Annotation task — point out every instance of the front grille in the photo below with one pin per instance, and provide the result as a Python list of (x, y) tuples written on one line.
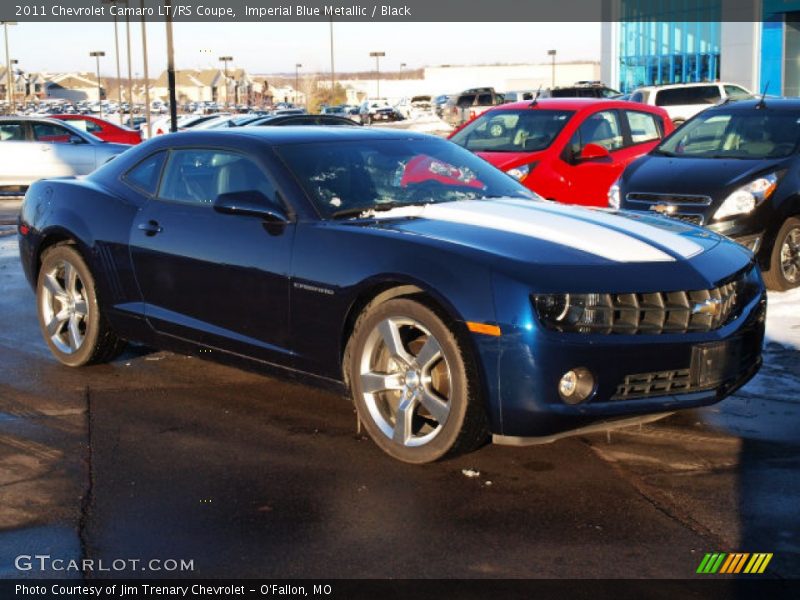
[(664, 312), (676, 199), (658, 383)]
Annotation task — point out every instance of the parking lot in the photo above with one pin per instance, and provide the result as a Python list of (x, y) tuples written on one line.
[(162, 456)]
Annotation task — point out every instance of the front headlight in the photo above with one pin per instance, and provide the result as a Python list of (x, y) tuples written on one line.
[(582, 313), (521, 172), (746, 198), (613, 195)]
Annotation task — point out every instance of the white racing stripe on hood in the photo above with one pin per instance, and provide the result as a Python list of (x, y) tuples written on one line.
[(528, 219), (679, 244)]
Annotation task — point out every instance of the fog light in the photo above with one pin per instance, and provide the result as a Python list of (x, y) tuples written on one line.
[(576, 386)]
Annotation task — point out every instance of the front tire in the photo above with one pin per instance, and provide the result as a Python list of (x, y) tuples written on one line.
[(70, 317), (413, 384), (784, 263)]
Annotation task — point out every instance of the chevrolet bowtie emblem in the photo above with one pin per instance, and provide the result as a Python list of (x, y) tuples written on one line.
[(711, 306), (664, 209)]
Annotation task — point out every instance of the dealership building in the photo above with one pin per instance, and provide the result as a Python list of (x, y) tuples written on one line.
[(652, 42)]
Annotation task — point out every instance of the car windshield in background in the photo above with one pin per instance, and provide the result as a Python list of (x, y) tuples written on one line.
[(348, 178), (523, 130), (735, 134)]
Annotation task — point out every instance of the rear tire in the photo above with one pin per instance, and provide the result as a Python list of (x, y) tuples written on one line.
[(784, 262), (413, 383), (70, 317)]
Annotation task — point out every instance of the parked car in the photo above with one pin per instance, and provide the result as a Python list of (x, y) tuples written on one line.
[(469, 104), (162, 126), (570, 150), (583, 89), (377, 109), (682, 101), (734, 169), (302, 120), (413, 106), (102, 129), (32, 148), (440, 102), (399, 269)]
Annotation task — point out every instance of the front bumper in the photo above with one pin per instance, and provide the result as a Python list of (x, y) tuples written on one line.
[(629, 372)]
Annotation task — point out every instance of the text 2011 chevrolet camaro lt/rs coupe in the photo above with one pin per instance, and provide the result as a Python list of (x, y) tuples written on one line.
[(445, 297)]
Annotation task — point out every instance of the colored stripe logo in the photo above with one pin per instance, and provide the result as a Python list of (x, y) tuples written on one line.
[(722, 563)]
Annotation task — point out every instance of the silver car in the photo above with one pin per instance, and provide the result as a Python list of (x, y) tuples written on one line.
[(35, 148)]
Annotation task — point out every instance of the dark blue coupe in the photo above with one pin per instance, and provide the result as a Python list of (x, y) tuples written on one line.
[(447, 299)]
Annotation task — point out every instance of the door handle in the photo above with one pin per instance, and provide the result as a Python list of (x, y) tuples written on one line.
[(150, 228)]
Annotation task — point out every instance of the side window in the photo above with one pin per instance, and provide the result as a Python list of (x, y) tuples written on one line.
[(145, 175), (601, 128), (672, 97), (48, 132), (644, 126), (703, 94), (93, 127), (734, 92), (11, 132), (466, 100), (198, 176)]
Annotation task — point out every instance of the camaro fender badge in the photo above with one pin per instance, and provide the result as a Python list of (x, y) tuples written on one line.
[(710, 306), (664, 209), (314, 288)]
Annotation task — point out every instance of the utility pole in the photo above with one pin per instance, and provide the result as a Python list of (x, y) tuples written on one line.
[(9, 88), (333, 77), (296, 81)]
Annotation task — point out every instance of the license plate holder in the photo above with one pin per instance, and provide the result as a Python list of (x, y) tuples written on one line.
[(715, 363)]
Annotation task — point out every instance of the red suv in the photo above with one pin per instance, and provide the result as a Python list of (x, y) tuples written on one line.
[(567, 149), (106, 131)]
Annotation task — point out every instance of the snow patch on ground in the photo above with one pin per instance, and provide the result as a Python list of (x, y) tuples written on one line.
[(783, 318), (423, 124)]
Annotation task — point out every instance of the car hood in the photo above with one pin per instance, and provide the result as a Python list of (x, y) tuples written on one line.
[(697, 176), (508, 160), (535, 240)]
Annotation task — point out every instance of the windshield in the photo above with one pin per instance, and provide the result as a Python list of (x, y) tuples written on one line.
[(755, 134), (524, 130), (348, 178)]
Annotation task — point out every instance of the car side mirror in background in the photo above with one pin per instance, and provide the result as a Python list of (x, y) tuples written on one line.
[(593, 152), (75, 139), (250, 203)]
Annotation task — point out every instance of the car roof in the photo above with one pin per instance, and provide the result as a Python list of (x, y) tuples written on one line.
[(669, 86), (770, 103), (290, 134), (568, 104)]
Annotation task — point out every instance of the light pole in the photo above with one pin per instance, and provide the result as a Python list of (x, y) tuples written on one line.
[(552, 53), (402, 66), (296, 80), (97, 54), (146, 75), (13, 62), (226, 60), (333, 79), (173, 103), (116, 53), (377, 56), (9, 94)]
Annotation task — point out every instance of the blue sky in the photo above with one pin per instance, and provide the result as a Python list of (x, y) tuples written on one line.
[(276, 47)]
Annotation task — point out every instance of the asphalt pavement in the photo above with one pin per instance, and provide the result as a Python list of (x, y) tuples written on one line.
[(162, 456)]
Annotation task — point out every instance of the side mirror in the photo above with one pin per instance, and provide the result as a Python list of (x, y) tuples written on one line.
[(250, 203), (593, 152), (75, 139)]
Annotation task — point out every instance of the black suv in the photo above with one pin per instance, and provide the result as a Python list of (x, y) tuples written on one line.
[(582, 89), (734, 169)]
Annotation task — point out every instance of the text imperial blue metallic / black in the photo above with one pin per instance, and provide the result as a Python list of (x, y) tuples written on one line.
[(449, 301)]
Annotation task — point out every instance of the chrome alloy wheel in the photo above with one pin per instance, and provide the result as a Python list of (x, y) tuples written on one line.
[(63, 307), (790, 256), (405, 381)]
